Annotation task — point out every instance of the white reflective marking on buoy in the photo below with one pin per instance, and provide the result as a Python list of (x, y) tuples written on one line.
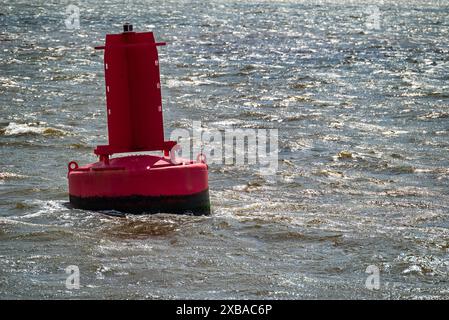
[(109, 111), (159, 108), (156, 62), (107, 88), (158, 85), (106, 66)]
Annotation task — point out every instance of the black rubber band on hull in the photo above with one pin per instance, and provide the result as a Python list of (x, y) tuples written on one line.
[(196, 204)]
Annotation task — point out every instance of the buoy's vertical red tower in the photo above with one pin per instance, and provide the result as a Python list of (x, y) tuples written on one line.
[(138, 183), (133, 94)]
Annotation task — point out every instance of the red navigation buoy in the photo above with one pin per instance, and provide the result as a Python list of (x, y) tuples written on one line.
[(137, 183)]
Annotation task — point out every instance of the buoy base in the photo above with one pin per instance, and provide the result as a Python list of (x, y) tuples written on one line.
[(196, 204), (141, 184)]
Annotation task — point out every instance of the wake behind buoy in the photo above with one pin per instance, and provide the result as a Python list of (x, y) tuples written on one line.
[(137, 183)]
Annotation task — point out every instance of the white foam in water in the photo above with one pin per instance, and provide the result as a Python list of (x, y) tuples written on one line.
[(12, 221), (13, 129), (10, 175), (45, 208)]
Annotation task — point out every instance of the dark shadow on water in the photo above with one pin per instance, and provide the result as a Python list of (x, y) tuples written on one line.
[(68, 205), (129, 226), (140, 226), (142, 229)]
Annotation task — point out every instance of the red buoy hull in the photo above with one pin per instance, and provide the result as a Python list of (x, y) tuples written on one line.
[(141, 184)]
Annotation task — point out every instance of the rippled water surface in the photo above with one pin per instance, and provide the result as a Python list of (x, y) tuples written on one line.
[(362, 112)]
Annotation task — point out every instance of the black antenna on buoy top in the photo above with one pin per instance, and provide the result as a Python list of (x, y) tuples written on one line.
[(127, 27)]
